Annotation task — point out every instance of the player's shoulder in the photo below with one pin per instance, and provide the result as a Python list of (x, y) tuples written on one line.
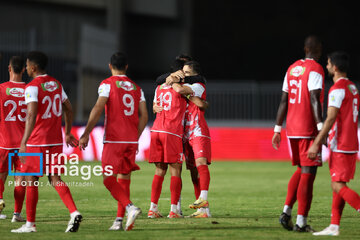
[(314, 66)]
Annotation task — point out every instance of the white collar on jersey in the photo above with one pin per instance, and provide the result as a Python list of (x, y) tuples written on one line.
[(342, 78), (43, 75), (307, 59), (17, 82), (123, 75)]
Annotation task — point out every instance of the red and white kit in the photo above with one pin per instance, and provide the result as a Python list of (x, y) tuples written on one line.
[(46, 137), (168, 128), (12, 121), (121, 123), (302, 77), (196, 129), (343, 137)]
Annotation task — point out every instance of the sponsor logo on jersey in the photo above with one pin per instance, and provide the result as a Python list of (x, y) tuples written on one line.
[(297, 71), (15, 92), (49, 86), (127, 86), (353, 89)]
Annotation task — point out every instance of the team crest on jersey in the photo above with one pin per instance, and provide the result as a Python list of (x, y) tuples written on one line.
[(49, 86), (353, 89), (127, 86), (297, 71), (15, 92)]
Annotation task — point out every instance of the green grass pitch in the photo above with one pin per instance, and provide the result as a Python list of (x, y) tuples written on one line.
[(246, 199)]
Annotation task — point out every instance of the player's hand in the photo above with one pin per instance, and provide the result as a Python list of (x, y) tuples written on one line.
[(313, 151), (22, 149), (178, 75), (276, 141), (83, 142), (157, 108), (71, 140)]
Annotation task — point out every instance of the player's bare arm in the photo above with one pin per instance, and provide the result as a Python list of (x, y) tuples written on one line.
[(94, 117), (68, 117), (329, 122), (143, 117), (202, 104), (280, 116), (181, 89), (32, 110)]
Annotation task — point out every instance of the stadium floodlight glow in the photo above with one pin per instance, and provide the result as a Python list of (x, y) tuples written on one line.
[(40, 155)]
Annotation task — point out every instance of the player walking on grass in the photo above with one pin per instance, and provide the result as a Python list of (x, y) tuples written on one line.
[(197, 135), (342, 125), (302, 98), (166, 146), (12, 124), (125, 119), (46, 100)]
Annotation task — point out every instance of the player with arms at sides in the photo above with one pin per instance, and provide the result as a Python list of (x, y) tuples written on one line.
[(12, 125), (125, 119), (178, 75), (46, 100), (302, 100), (342, 125), (166, 148), (197, 136)]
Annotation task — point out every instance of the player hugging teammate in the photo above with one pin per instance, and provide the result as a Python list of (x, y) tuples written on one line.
[(180, 127)]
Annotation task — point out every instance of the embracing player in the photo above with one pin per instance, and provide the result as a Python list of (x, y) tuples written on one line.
[(46, 100), (12, 125), (197, 135), (125, 119)]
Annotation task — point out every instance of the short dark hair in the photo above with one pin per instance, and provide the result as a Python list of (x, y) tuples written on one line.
[(17, 63), (195, 66), (119, 60), (341, 60), (39, 58), (179, 62)]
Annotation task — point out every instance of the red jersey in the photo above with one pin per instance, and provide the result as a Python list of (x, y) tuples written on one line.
[(171, 119), (50, 95), (121, 109), (302, 77), (343, 136), (12, 114), (196, 125)]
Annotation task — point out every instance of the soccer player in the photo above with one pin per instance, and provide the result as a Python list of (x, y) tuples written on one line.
[(12, 124), (302, 98), (166, 146), (45, 99), (198, 144), (125, 119), (342, 122), (178, 75)]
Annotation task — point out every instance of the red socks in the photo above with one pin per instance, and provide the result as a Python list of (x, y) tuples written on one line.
[(156, 188), (65, 195), (351, 197), (204, 175), (116, 191), (2, 187), (304, 193), (125, 184), (32, 196), (337, 207), (19, 196), (175, 189), (292, 188)]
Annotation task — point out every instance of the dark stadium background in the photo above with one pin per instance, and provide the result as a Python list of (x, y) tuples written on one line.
[(244, 47)]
